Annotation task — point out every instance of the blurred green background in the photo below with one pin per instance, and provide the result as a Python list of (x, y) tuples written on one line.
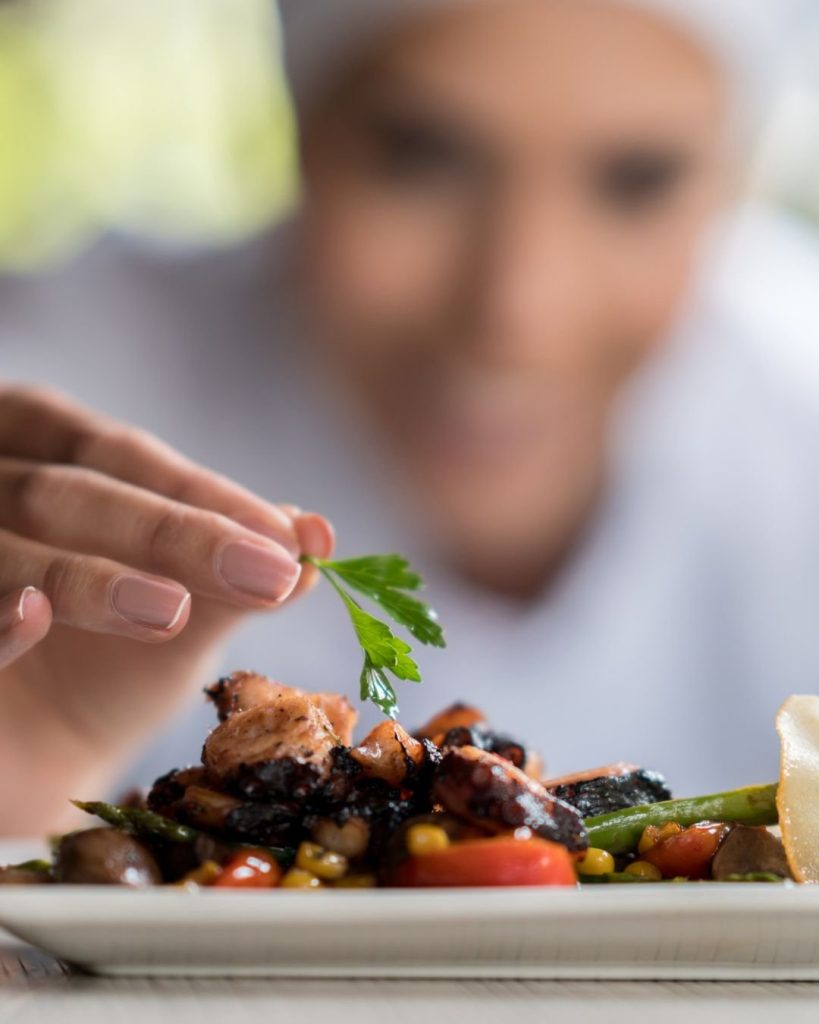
[(169, 119), (164, 117)]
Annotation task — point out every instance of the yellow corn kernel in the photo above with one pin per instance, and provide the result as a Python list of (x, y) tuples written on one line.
[(642, 869), (423, 839), (357, 881), (298, 878), (671, 828), (207, 873), (595, 862), (649, 838), (325, 864)]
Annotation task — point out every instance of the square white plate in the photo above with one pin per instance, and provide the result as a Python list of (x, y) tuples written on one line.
[(684, 931)]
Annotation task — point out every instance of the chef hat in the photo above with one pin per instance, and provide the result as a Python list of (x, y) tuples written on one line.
[(748, 39)]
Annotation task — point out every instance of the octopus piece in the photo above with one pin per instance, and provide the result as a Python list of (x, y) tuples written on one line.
[(486, 739), (242, 690), (484, 789), (290, 728), (456, 716), (390, 753)]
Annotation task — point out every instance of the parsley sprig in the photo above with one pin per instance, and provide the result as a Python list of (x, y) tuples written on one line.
[(389, 581)]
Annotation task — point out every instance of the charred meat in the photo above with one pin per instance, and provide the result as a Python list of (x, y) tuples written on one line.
[(612, 788), (490, 792)]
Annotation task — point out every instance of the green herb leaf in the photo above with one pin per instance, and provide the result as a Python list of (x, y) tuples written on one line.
[(378, 571), (384, 579), (376, 687), (382, 647)]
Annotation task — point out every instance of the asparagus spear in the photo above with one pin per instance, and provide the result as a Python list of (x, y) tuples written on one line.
[(620, 831), (138, 822), (148, 825)]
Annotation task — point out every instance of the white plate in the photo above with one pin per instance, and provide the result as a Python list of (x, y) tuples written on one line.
[(689, 931)]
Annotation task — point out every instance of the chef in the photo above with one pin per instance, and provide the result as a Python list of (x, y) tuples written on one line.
[(522, 329)]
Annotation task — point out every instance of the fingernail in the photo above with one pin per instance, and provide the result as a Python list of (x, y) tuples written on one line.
[(273, 531), (316, 535), (13, 609), (146, 602), (259, 571)]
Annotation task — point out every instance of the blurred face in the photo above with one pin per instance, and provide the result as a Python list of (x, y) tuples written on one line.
[(503, 207)]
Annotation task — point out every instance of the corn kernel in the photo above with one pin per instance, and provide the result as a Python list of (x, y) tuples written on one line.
[(671, 828), (642, 869), (297, 878), (649, 838), (595, 862), (207, 873), (357, 881), (325, 864), (423, 839)]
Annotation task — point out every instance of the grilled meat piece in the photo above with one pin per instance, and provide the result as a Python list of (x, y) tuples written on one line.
[(284, 800), (341, 714), (241, 691), (612, 788), (284, 778), (484, 789), (748, 851), (456, 716), (205, 808), (350, 792), (389, 753), (291, 726), (485, 739), (268, 824), (165, 794)]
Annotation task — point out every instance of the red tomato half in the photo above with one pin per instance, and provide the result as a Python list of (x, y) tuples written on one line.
[(501, 861), (250, 869), (688, 854)]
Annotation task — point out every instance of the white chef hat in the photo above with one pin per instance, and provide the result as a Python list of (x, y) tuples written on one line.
[(748, 39)]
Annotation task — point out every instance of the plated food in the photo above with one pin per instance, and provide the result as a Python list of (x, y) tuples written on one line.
[(285, 798)]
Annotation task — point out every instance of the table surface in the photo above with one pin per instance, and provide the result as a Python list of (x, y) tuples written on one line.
[(37, 989)]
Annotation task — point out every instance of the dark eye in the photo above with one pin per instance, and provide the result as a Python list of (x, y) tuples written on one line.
[(412, 150), (634, 181)]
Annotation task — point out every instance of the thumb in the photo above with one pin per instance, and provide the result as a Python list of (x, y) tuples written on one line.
[(25, 619)]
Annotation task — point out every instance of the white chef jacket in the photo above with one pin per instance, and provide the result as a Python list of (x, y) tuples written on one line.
[(689, 611)]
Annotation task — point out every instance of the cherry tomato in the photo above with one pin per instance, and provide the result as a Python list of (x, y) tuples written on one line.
[(250, 869), (689, 853), (500, 861)]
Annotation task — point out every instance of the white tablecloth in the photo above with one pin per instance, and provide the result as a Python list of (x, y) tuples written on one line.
[(36, 989)]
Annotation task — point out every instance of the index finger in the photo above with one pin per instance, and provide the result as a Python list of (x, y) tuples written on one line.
[(44, 425)]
